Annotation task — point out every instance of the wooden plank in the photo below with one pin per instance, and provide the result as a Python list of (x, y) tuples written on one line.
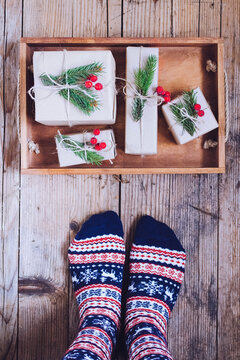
[(115, 18), (229, 230), (185, 17), (95, 41), (45, 217), (141, 171), (47, 18), (89, 18), (146, 18), (2, 24), (10, 183), (210, 18), (3, 340)]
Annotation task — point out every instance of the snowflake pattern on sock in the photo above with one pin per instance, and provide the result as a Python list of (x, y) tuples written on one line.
[(96, 266), (156, 274)]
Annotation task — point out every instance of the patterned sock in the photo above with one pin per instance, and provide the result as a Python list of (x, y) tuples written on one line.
[(96, 257), (157, 262)]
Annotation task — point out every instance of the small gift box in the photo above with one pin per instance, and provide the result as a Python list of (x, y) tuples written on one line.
[(189, 116), (74, 87), (87, 147), (141, 103)]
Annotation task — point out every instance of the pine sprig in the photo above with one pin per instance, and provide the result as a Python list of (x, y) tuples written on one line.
[(83, 102), (143, 78), (88, 156), (188, 102), (77, 76)]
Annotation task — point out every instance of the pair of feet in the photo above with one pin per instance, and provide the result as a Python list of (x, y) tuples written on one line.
[(97, 257)]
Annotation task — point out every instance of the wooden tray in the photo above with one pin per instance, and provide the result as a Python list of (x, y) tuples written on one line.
[(182, 65)]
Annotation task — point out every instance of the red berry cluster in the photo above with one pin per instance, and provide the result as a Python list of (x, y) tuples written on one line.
[(200, 112), (91, 80), (97, 146), (165, 94)]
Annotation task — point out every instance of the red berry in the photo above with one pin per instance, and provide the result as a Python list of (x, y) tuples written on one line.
[(167, 93), (98, 147), (159, 90), (103, 145), (93, 140), (96, 131), (201, 113), (167, 98), (197, 107), (93, 78), (98, 86), (88, 84)]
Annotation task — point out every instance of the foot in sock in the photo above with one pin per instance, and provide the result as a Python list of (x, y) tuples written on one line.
[(157, 262), (96, 258)]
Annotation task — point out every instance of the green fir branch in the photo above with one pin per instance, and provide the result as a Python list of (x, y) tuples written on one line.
[(83, 102), (74, 76), (77, 76), (188, 102), (143, 78), (88, 156)]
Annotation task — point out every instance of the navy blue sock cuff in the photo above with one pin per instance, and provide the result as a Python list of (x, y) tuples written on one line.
[(101, 224), (155, 233)]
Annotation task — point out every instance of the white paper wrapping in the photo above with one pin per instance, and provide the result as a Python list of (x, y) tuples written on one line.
[(141, 136), (51, 109), (68, 158), (204, 124)]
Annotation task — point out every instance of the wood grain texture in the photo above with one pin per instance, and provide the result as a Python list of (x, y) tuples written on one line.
[(203, 210), (115, 18), (47, 241), (89, 18), (185, 18), (10, 185), (146, 18), (229, 195)]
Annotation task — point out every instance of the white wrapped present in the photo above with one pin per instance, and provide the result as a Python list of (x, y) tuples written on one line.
[(77, 149), (141, 136), (53, 109), (203, 124)]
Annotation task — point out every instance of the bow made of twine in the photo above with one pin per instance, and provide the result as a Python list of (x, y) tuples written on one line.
[(186, 115), (56, 87)]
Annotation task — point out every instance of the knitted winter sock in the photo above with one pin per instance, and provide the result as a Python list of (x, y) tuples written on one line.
[(157, 262), (96, 259)]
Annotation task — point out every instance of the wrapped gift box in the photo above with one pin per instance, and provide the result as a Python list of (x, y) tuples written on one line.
[(67, 157), (52, 109), (140, 136), (204, 124)]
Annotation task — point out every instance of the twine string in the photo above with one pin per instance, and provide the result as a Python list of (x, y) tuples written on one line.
[(186, 115), (75, 147)]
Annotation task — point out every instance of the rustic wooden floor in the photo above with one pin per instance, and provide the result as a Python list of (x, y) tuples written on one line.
[(37, 311)]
